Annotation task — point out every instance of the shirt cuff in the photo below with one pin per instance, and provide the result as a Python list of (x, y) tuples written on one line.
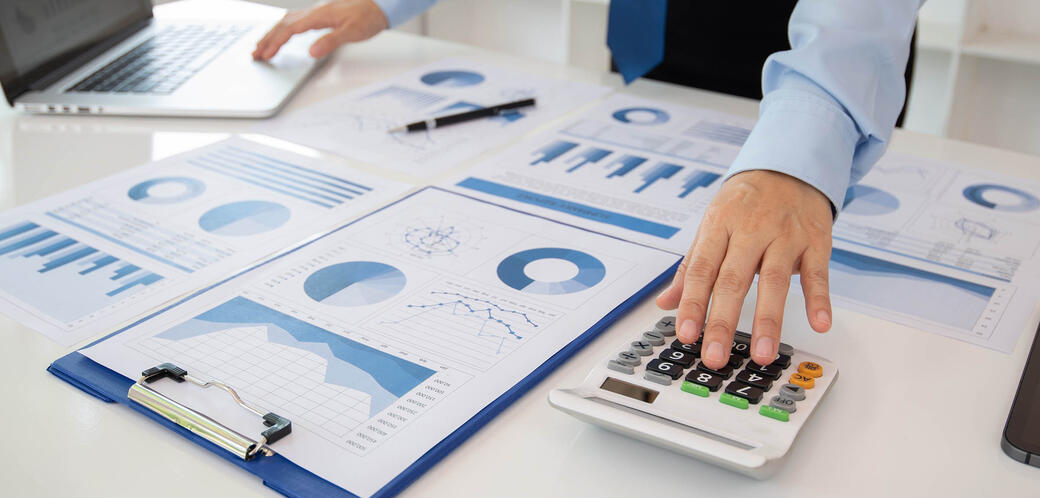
[(398, 12), (805, 135)]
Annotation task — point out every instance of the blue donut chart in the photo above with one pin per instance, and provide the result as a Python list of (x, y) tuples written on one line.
[(452, 79), (355, 283), (244, 218), (631, 115), (191, 188), (590, 271), (977, 195)]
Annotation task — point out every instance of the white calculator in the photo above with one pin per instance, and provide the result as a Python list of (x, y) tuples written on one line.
[(743, 417)]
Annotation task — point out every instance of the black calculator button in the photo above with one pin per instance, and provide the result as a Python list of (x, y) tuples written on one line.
[(782, 360), (755, 379), (723, 372), (772, 371), (684, 359), (750, 393), (742, 349), (711, 381), (694, 349), (665, 367), (735, 361), (742, 337)]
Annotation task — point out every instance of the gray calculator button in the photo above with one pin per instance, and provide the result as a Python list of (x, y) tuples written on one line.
[(666, 326), (785, 349), (657, 377), (742, 337), (642, 348), (654, 337), (783, 403), (628, 358), (620, 367), (792, 392)]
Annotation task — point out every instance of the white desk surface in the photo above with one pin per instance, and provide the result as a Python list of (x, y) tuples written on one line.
[(913, 414)]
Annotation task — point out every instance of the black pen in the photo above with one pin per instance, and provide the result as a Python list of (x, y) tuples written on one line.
[(462, 117)]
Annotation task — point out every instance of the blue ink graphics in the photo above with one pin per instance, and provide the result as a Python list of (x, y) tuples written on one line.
[(384, 378), (719, 132), (452, 79), (489, 319), (505, 118), (869, 201), (166, 190), (696, 180), (627, 163), (911, 291), (406, 97), (356, 283), (641, 116), (589, 155), (511, 271), (658, 172), (61, 277), (975, 229), (981, 194), (549, 153), (244, 218), (434, 238)]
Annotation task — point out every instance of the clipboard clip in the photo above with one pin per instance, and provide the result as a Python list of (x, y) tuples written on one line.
[(199, 423)]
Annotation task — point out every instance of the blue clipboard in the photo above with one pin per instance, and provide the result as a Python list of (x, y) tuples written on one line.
[(278, 472)]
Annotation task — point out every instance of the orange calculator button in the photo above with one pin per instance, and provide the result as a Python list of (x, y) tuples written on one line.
[(810, 369), (802, 380)]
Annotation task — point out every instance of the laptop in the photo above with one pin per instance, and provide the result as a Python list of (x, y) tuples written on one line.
[(114, 57)]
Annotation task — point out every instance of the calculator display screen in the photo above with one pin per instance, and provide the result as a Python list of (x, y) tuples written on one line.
[(631, 390)]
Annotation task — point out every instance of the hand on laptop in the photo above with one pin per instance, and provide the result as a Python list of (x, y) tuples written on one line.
[(760, 221), (350, 20)]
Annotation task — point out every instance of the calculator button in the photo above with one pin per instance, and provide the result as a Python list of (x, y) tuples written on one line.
[(735, 361), (774, 413), (785, 349), (654, 337), (657, 377), (801, 380), (783, 403), (791, 391), (810, 369), (697, 389), (771, 371), (665, 368), (642, 348), (725, 372), (694, 349), (750, 393), (732, 400), (782, 360), (620, 367), (742, 337), (684, 359), (711, 381), (666, 326), (755, 380), (742, 348), (628, 358)]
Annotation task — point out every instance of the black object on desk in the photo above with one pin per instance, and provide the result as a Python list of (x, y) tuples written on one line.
[(462, 117), (1021, 439)]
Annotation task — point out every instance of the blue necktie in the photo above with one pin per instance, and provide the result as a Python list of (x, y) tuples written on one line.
[(635, 35)]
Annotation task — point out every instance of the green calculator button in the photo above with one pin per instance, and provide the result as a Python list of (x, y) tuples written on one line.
[(772, 412), (697, 389), (732, 400)]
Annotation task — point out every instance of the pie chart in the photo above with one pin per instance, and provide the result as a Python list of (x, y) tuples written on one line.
[(355, 283), (452, 79), (244, 218), (512, 271), (869, 201), (166, 190), (641, 115)]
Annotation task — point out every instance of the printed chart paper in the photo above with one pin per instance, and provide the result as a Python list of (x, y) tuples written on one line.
[(636, 168), (86, 261), (380, 339), (356, 123)]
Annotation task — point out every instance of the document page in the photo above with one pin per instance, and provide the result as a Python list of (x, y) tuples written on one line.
[(356, 124), (87, 261), (381, 338), (635, 168)]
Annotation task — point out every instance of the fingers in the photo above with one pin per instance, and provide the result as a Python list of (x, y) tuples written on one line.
[(293, 23), (326, 44), (669, 299), (697, 281), (814, 276), (731, 286), (774, 280)]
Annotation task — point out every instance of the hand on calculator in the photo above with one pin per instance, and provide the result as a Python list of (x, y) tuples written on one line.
[(760, 221)]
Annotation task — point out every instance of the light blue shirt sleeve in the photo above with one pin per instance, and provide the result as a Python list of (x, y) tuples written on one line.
[(400, 11), (831, 102)]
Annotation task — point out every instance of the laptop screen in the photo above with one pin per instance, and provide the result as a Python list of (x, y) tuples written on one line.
[(38, 36)]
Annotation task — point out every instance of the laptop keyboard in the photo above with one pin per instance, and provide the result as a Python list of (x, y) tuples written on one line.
[(162, 63)]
